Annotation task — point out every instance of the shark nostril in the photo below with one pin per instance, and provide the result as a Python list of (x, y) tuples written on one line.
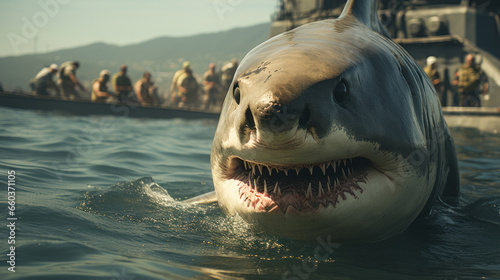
[(305, 118), (249, 121)]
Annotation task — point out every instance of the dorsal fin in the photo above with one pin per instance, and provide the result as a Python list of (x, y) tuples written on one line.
[(365, 11)]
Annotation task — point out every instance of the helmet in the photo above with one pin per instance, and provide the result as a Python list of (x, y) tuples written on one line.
[(431, 60)]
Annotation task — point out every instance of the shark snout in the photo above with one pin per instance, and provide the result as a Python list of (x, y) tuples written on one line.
[(279, 120), (277, 116)]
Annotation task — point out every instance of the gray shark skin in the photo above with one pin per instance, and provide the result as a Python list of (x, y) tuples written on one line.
[(332, 129)]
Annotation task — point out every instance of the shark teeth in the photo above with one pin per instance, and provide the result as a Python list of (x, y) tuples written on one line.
[(317, 184), (277, 190), (337, 168), (320, 190), (310, 170), (309, 192), (269, 169)]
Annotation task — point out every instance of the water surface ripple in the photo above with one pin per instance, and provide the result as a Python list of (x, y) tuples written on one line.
[(99, 198)]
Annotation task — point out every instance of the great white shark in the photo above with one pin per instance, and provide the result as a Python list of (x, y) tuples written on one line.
[(332, 129)]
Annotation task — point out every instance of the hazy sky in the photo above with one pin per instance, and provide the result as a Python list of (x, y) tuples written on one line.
[(58, 24)]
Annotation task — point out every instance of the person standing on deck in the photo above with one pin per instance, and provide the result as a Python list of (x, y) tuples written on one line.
[(432, 72), (469, 79), (67, 80), (176, 95), (44, 80), (188, 87), (100, 92), (122, 85), (211, 84)]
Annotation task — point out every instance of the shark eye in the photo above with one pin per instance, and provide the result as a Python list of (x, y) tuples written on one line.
[(340, 92), (236, 93)]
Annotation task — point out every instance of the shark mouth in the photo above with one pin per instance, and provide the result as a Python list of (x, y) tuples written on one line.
[(297, 189)]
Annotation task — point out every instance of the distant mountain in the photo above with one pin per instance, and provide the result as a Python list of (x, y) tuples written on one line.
[(161, 56)]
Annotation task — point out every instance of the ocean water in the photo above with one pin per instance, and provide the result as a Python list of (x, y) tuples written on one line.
[(100, 198)]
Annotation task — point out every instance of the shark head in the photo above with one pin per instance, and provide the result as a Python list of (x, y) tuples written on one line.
[(328, 130)]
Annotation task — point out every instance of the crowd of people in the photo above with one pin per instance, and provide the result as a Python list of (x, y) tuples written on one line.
[(185, 89), (470, 80)]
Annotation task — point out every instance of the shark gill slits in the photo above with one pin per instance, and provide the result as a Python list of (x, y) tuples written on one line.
[(236, 93), (341, 92)]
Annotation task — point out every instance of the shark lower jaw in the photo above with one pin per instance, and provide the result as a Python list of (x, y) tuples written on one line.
[(296, 189)]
